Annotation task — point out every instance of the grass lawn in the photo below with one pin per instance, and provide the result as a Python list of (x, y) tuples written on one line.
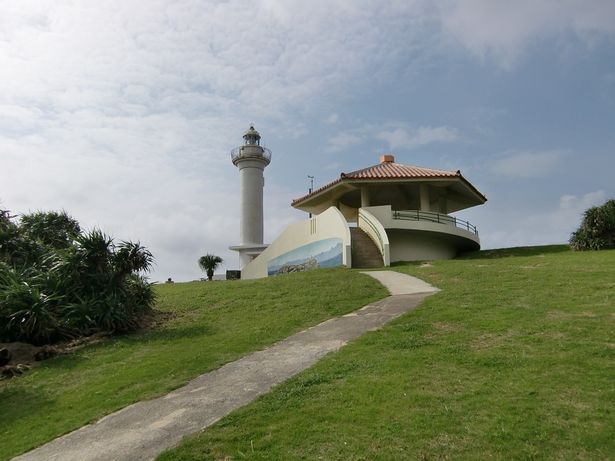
[(215, 323), (514, 359)]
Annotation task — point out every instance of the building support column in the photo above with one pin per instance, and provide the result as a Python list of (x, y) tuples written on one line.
[(442, 204), (365, 196), (424, 193)]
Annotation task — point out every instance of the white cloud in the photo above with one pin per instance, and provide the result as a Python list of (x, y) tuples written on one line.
[(124, 112), (396, 138), (239, 56), (403, 138), (502, 29), (332, 119), (580, 204), (343, 140), (397, 135), (526, 164)]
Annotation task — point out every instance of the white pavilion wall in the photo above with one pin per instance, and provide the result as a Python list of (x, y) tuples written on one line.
[(407, 245), (329, 224)]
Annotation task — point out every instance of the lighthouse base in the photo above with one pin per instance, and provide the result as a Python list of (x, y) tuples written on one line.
[(248, 251)]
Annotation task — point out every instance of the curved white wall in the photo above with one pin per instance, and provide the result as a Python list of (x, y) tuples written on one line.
[(329, 224), (408, 245)]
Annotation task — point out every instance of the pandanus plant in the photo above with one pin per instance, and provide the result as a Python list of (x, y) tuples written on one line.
[(58, 282), (209, 263)]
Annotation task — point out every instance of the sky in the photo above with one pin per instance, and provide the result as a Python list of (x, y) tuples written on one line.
[(123, 112)]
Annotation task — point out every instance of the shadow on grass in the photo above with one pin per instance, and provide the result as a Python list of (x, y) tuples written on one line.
[(169, 334), (406, 263), (515, 251), (65, 361), (75, 358), (16, 402)]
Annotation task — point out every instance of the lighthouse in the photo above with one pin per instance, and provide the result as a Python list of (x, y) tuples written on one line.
[(251, 159)]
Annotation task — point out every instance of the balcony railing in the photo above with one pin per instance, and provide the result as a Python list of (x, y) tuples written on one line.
[(431, 216), (239, 153)]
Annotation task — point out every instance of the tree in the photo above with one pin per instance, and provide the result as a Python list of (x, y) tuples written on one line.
[(209, 263), (597, 230), (57, 282)]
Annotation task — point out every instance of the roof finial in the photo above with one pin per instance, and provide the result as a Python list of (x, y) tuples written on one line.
[(387, 158)]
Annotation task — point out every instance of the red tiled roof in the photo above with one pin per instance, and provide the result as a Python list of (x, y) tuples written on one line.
[(391, 170), (386, 170)]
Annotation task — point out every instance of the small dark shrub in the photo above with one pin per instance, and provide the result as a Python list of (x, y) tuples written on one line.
[(597, 230), (58, 282)]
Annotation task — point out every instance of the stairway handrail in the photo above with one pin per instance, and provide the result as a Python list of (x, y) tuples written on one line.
[(375, 230)]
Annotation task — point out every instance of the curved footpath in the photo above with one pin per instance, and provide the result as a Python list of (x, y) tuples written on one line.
[(145, 429)]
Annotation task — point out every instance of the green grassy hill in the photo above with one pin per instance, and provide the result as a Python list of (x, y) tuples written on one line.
[(512, 360), (212, 324)]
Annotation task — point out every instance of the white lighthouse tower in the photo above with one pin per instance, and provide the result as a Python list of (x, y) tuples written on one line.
[(251, 159)]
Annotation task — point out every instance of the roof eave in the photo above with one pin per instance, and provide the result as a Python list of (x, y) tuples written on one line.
[(343, 180), (317, 193), (470, 186)]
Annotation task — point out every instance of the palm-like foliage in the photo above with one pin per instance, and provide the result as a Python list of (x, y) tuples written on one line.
[(5, 218), (58, 282), (209, 263), (131, 257), (51, 228), (26, 309)]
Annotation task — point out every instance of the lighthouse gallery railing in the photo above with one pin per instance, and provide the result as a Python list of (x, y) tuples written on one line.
[(237, 152)]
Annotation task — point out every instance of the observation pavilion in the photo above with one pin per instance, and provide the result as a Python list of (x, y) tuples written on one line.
[(404, 209)]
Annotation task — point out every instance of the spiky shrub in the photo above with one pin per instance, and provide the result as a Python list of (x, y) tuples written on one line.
[(56, 229), (27, 308), (59, 282), (597, 230)]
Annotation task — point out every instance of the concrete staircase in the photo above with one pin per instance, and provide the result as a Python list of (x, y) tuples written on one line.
[(365, 253)]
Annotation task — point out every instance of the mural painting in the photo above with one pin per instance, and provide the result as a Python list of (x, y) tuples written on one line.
[(320, 254)]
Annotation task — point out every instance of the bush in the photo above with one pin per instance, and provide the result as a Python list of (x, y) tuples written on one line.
[(57, 282), (597, 231)]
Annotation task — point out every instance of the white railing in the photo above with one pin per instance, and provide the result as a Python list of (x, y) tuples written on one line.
[(372, 227), (239, 152)]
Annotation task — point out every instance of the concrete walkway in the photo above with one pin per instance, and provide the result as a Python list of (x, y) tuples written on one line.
[(401, 284), (143, 430)]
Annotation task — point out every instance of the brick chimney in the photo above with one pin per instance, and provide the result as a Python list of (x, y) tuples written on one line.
[(387, 158)]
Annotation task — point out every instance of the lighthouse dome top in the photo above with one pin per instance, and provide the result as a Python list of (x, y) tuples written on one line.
[(251, 150), (252, 136)]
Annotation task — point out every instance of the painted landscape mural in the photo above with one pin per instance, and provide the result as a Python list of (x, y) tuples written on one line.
[(320, 254)]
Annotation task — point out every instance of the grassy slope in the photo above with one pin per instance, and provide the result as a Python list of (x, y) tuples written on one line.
[(216, 323), (512, 360)]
